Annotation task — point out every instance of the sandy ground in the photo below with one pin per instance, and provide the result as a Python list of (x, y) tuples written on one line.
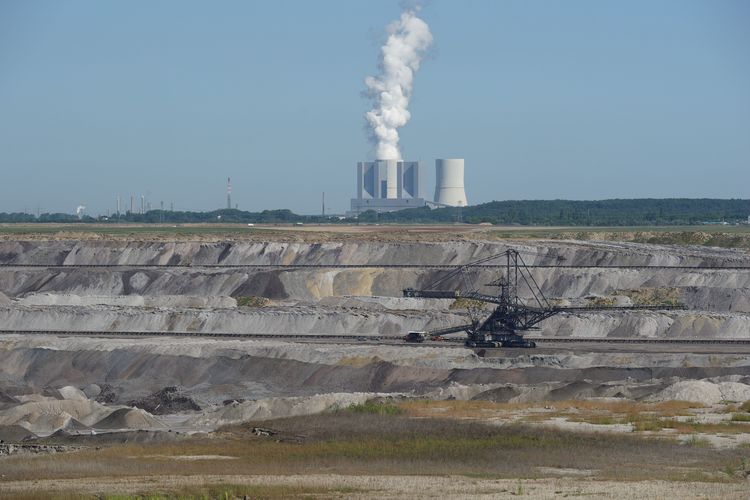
[(399, 486)]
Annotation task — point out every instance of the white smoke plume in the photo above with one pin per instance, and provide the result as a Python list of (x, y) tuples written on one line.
[(408, 39)]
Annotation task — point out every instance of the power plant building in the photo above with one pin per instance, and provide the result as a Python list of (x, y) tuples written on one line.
[(386, 186), (390, 185)]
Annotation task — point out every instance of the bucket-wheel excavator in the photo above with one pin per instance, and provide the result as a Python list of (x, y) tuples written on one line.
[(512, 316)]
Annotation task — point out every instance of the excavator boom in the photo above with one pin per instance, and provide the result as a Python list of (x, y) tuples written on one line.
[(511, 316)]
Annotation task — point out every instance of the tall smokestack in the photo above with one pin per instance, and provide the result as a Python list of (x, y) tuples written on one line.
[(131, 203), (229, 193), (408, 39)]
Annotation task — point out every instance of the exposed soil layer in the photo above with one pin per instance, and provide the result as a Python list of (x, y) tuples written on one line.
[(335, 301)]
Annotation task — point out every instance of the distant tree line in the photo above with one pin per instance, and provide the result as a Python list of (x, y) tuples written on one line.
[(176, 217), (616, 212)]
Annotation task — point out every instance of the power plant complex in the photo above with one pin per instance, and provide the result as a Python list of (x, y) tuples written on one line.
[(389, 185)]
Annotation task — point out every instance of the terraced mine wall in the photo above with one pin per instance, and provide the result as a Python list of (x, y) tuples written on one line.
[(581, 253), (49, 383), (55, 383), (705, 289), (195, 286)]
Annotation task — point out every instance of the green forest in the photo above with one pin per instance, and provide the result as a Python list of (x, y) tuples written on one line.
[(616, 212)]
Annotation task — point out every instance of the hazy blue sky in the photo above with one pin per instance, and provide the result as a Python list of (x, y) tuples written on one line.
[(544, 99)]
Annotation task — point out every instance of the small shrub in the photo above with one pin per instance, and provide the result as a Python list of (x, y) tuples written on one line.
[(745, 406), (740, 417), (645, 423), (648, 425), (698, 442)]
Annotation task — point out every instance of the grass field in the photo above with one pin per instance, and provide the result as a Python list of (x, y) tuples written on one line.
[(385, 448), (389, 442)]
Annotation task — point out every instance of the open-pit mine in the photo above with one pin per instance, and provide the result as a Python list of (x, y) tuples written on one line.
[(131, 353)]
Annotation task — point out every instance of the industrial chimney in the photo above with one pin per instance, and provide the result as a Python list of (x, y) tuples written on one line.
[(449, 182)]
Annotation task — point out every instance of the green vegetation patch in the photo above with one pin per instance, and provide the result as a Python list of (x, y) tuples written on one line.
[(374, 408), (252, 301)]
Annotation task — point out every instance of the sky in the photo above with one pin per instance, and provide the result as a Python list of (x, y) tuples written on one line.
[(582, 99)]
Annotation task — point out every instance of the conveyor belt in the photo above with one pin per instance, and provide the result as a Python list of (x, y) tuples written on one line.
[(357, 266), (363, 338)]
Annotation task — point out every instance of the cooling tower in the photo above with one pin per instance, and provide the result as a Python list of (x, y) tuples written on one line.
[(449, 182)]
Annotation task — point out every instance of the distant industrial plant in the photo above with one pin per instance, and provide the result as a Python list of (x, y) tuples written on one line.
[(389, 185)]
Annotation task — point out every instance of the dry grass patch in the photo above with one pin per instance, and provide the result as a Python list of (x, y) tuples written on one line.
[(243, 491), (595, 301), (580, 409), (736, 237), (653, 296), (464, 303), (215, 491), (701, 428), (641, 416), (205, 492), (354, 443)]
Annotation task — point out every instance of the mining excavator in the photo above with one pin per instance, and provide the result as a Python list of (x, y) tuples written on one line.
[(512, 316)]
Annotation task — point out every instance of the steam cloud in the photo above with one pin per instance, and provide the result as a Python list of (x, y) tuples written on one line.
[(408, 39)]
